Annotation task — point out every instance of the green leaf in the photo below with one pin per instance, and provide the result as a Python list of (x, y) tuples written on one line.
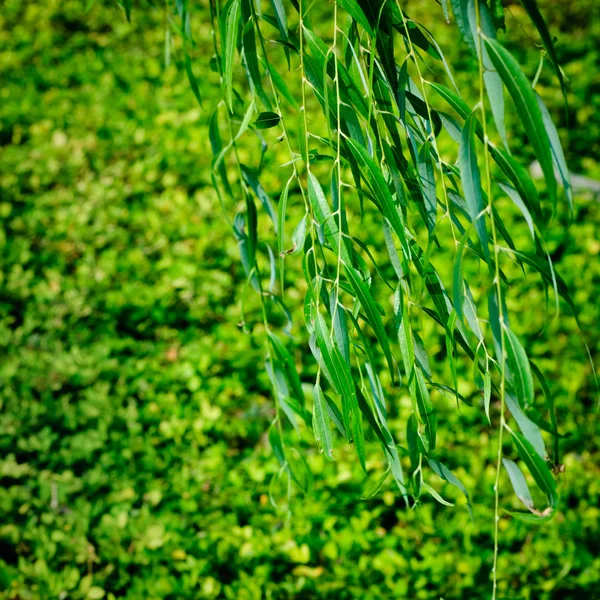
[(518, 482), (373, 317), (460, 10), (487, 395), (339, 372), (281, 18), (250, 55), (299, 470), (520, 179), (536, 18), (492, 81), (382, 193), (516, 198), (441, 500), (542, 476), (280, 84), (471, 180), (519, 368), (377, 486), (251, 179), (528, 428), (335, 415), (427, 181), (426, 412), (289, 368), (527, 108), (276, 443), (446, 474), (321, 425), (190, 75), (558, 155), (266, 120), (355, 11), (457, 282), (281, 212), (230, 42), (329, 222)]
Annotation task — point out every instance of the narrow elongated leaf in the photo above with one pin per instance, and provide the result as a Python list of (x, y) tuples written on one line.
[(266, 120), (335, 415), (281, 212), (382, 193), (527, 107), (230, 42), (536, 18), (276, 444), (281, 18), (558, 155), (492, 81), (516, 198), (519, 367), (339, 372), (540, 473), (426, 411), (356, 12), (377, 486), (191, 77), (471, 180), (251, 178), (373, 316), (427, 180), (321, 422), (250, 54), (529, 429), (460, 10), (518, 482), (327, 220), (289, 367), (441, 470), (428, 488)]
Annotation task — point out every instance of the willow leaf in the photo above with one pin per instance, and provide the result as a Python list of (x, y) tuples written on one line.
[(516, 198), (327, 220), (356, 12), (266, 120), (558, 155), (518, 482), (373, 317), (519, 367), (528, 428), (492, 81), (321, 424), (250, 54), (281, 18), (461, 15), (527, 107), (190, 75), (429, 489), (231, 36), (426, 412), (427, 181), (536, 18), (541, 474), (381, 191), (441, 470), (471, 180)]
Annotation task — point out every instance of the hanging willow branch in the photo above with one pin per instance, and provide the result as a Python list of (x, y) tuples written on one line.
[(376, 130)]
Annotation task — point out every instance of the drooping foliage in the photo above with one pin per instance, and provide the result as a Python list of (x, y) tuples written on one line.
[(376, 130)]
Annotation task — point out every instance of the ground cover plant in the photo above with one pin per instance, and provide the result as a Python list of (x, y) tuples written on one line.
[(127, 430)]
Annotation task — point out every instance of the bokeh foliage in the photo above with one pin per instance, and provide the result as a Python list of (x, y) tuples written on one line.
[(135, 462)]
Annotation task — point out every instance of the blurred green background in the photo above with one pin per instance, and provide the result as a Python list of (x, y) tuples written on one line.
[(133, 410)]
